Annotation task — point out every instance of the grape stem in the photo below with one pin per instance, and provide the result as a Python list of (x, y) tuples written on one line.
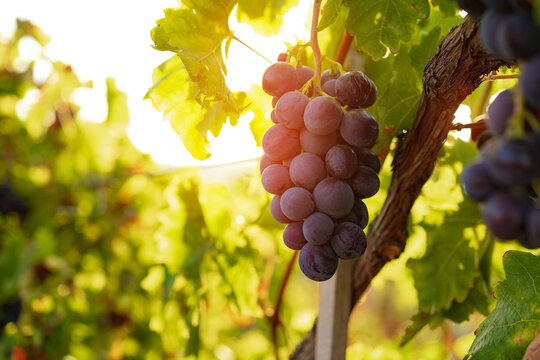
[(500, 77), (460, 126), (250, 48), (315, 46)]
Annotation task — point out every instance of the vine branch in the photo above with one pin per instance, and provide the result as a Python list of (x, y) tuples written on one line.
[(458, 67)]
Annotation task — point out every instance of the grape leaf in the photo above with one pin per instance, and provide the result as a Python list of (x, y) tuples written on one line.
[(447, 270), (380, 25), (398, 96), (175, 95), (265, 16), (447, 7), (478, 299), (512, 325), (186, 31), (192, 93), (329, 13)]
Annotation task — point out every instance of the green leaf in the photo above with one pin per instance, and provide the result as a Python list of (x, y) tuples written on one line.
[(399, 94), (447, 7), (265, 16), (478, 299), (175, 95), (186, 31), (380, 25), (329, 13), (507, 331), (421, 53), (118, 112), (447, 270), (192, 93)]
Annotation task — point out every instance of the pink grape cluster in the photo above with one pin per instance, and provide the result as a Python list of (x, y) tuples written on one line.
[(318, 164)]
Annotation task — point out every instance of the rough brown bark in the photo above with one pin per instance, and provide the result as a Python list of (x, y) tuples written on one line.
[(450, 75)]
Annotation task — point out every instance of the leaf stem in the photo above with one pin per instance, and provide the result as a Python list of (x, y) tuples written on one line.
[(460, 126), (501, 77), (250, 48), (481, 103), (315, 46)]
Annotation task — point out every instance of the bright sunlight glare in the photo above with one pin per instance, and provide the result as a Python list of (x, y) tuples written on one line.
[(98, 40)]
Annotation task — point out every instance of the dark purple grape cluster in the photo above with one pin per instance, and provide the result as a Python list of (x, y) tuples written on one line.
[(504, 176), (318, 164), (509, 30)]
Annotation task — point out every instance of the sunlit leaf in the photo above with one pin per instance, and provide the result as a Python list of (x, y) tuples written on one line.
[(265, 16), (380, 25), (511, 326), (447, 269), (329, 13)]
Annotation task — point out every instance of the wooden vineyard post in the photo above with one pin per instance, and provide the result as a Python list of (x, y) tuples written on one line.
[(334, 309)]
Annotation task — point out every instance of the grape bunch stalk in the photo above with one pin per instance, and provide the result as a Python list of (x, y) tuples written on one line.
[(505, 177), (318, 164)]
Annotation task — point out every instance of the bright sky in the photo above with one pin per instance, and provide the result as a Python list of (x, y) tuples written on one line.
[(105, 38)]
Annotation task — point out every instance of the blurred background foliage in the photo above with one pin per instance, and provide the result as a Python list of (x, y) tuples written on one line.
[(105, 255)]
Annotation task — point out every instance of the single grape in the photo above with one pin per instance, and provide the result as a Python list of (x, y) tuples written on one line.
[(290, 109), (365, 182), (488, 29), (304, 74), (518, 37), (266, 161), (319, 263), (275, 211), (358, 215), (275, 179), (280, 143), (297, 203), (341, 161), (366, 157), (279, 78), (349, 240), (359, 128), (476, 183), (355, 89), (329, 87), (274, 101), (317, 144), (318, 228), (307, 170), (499, 112), (504, 215), (293, 237), (329, 75), (474, 7), (510, 162), (282, 57), (334, 197), (322, 115), (530, 82)]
